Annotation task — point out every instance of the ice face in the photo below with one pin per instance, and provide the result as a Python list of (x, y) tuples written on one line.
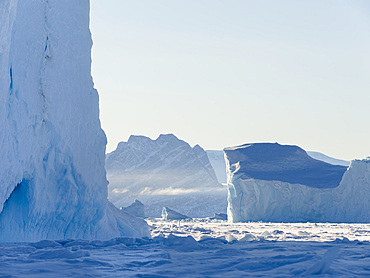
[(52, 176), (217, 160), (283, 199)]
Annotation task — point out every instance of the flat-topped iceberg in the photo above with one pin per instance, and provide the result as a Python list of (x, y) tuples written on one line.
[(291, 164), (52, 177), (277, 183)]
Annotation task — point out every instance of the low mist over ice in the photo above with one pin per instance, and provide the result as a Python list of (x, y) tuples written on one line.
[(166, 172)]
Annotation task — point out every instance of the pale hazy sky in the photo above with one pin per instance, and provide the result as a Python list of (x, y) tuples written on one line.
[(220, 73)]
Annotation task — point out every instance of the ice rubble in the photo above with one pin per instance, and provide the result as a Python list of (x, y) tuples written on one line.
[(201, 249), (164, 172), (219, 216), (271, 182), (52, 176)]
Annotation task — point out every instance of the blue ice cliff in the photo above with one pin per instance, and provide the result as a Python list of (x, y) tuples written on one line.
[(52, 177), (280, 183)]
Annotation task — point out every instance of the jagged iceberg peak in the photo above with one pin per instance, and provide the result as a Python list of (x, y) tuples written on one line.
[(139, 150), (52, 176), (164, 172), (138, 140), (144, 142), (135, 209), (269, 182), (287, 163), (166, 152), (162, 137), (168, 138)]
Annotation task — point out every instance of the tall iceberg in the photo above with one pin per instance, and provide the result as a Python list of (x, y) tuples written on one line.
[(277, 183), (52, 177)]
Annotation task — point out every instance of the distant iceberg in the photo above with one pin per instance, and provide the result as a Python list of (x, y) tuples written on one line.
[(135, 209), (279, 183), (170, 214), (52, 178), (328, 159), (164, 172)]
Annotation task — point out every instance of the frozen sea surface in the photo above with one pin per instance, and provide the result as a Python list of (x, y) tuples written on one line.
[(201, 248)]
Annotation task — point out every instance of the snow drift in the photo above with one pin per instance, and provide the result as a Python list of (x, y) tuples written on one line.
[(166, 172), (52, 176), (271, 182)]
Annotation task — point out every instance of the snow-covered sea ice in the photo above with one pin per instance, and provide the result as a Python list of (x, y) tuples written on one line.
[(202, 248)]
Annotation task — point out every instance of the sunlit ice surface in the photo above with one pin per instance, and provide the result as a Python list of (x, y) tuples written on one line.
[(260, 231), (201, 248)]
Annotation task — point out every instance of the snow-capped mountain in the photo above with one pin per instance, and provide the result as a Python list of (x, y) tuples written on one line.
[(52, 176), (166, 172), (277, 183)]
